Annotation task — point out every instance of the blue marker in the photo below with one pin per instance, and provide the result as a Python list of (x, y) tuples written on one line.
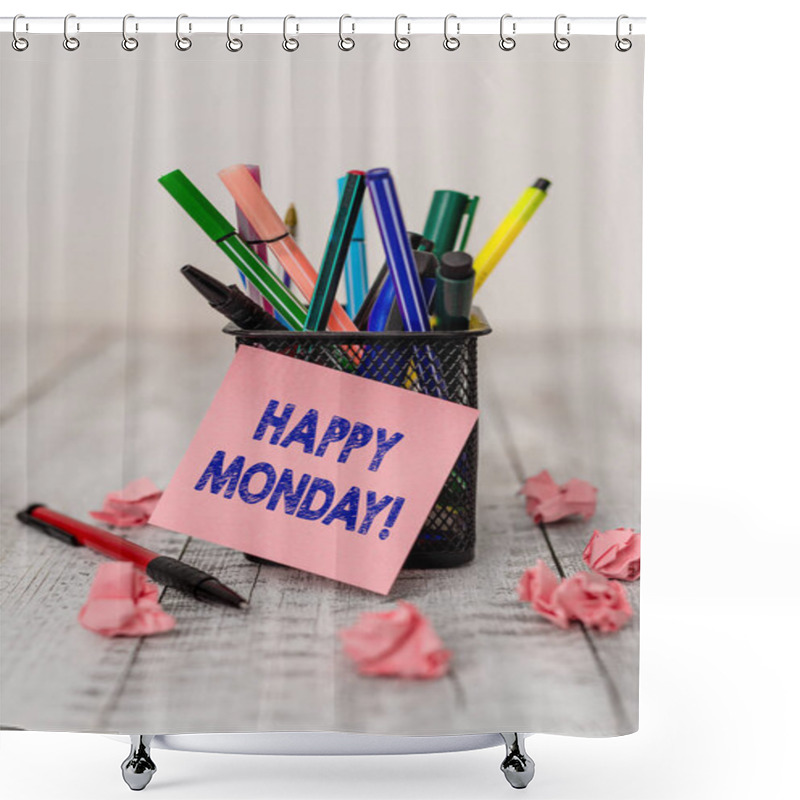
[(399, 256), (385, 314), (355, 268)]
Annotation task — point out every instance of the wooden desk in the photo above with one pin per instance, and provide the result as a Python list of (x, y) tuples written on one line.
[(82, 416)]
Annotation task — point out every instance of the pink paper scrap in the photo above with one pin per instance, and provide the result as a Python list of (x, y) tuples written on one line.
[(132, 506), (546, 501), (586, 597), (400, 643), (615, 553), (537, 587), (123, 602)]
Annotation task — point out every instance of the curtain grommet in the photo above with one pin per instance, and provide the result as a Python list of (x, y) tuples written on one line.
[(183, 43), (401, 43), (623, 44), (19, 43), (129, 43), (71, 43), (560, 43), (233, 43), (289, 43), (507, 42), (451, 43), (346, 43)]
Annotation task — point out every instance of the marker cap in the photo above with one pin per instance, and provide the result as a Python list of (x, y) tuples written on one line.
[(456, 266), (195, 204), (358, 231), (255, 206), (447, 210), (426, 263)]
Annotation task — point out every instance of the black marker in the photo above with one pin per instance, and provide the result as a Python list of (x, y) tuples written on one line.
[(455, 279), (231, 302), (361, 319)]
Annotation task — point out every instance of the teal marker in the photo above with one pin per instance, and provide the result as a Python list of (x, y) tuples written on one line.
[(330, 271), (356, 280), (219, 230)]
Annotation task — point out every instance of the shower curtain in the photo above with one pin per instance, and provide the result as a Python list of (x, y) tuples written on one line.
[(418, 522)]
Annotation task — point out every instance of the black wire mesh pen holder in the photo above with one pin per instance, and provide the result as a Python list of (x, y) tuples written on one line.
[(442, 364)]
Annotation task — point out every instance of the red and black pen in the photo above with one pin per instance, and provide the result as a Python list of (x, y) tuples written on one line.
[(162, 569)]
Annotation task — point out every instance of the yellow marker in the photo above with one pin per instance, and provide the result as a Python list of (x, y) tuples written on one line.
[(290, 220), (508, 230)]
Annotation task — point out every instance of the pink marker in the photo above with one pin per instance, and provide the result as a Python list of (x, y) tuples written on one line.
[(250, 237)]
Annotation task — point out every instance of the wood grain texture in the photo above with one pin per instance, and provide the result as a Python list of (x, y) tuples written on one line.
[(129, 406)]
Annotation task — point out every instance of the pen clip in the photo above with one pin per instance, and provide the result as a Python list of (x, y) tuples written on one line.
[(28, 518), (469, 214)]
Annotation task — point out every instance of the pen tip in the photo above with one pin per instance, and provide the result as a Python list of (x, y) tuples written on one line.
[(542, 183), (244, 604), (214, 291), (290, 220)]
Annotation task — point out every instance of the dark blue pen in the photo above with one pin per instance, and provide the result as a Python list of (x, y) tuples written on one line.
[(399, 256)]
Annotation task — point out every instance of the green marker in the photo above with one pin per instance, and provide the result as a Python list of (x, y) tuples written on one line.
[(336, 251), (198, 207), (447, 210)]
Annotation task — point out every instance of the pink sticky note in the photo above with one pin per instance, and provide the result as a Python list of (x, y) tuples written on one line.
[(317, 469)]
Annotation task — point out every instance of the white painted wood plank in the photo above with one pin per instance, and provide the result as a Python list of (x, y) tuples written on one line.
[(575, 410), (279, 666)]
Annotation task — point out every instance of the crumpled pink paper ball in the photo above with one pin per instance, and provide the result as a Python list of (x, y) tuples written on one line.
[(132, 506), (122, 602), (615, 553), (592, 599), (537, 587), (595, 601), (400, 643), (546, 501)]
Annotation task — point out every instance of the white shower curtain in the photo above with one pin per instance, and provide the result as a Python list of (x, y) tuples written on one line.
[(110, 361)]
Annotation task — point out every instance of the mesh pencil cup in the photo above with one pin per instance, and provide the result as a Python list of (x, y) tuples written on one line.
[(443, 364)]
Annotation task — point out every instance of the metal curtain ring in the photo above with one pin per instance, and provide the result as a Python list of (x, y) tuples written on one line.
[(70, 42), (507, 42), (129, 43), (18, 42), (182, 42), (401, 42), (623, 44), (290, 44), (561, 43), (346, 42), (451, 42), (233, 44)]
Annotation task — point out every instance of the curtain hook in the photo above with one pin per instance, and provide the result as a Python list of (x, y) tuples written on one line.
[(623, 44), (401, 42), (561, 43), (182, 42), (18, 42), (507, 42), (70, 42), (290, 44), (451, 42), (346, 42), (129, 43), (233, 44)]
